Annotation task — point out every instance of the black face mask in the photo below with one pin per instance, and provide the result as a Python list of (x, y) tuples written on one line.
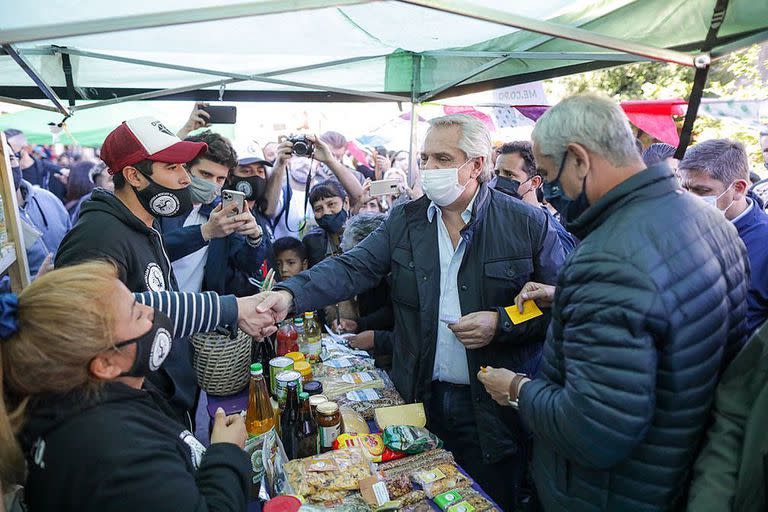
[(508, 186), (162, 201), (253, 186), (151, 348), (16, 171), (333, 223)]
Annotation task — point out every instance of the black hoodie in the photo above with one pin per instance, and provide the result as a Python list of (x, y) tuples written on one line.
[(118, 451), (107, 229)]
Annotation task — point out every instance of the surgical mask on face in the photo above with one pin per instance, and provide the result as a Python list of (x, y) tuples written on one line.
[(253, 186), (162, 201), (152, 348), (712, 200), (203, 191), (442, 185)]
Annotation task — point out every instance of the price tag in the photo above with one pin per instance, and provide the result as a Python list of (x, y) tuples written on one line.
[(358, 378), (363, 395)]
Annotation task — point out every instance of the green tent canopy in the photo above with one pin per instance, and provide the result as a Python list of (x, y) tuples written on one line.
[(345, 50)]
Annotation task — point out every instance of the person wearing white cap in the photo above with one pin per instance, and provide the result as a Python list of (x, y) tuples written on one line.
[(146, 161), (214, 243)]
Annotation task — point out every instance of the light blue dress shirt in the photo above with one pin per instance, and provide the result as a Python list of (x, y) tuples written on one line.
[(450, 354)]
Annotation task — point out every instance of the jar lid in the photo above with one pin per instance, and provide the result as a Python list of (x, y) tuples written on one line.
[(328, 408), (296, 356), (283, 504), (317, 399), (313, 387), (302, 367)]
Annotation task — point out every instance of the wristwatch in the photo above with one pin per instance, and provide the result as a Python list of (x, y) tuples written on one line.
[(514, 389)]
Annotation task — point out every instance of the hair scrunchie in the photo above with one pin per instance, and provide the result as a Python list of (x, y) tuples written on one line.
[(9, 315)]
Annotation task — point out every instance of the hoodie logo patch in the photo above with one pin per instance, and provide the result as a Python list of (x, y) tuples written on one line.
[(244, 187), (153, 278), (196, 448), (161, 346), (164, 204)]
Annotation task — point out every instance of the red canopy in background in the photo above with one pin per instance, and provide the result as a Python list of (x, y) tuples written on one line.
[(655, 117)]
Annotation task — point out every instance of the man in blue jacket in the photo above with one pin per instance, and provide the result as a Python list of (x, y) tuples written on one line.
[(210, 244), (718, 171), (457, 256), (648, 309)]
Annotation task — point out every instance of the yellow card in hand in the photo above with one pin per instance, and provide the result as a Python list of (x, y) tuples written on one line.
[(530, 310)]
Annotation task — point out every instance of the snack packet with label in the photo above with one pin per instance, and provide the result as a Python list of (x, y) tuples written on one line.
[(439, 479)]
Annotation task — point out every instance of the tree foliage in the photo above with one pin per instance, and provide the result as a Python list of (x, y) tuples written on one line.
[(742, 75)]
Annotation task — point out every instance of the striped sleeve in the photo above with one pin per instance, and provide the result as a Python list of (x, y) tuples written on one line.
[(190, 313)]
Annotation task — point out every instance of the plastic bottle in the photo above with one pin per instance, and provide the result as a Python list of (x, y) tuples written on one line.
[(287, 339), (289, 422), (260, 417), (308, 438), (314, 337), (298, 324)]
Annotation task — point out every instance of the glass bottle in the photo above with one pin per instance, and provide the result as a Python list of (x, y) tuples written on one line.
[(259, 418), (289, 422), (287, 339), (298, 324), (308, 438), (313, 336)]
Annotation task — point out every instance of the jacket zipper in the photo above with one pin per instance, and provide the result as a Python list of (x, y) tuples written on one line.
[(167, 260)]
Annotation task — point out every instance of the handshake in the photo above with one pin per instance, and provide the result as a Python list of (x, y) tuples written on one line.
[(258, 314)]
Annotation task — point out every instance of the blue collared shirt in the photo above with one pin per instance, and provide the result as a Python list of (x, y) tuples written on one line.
[(450, 355)]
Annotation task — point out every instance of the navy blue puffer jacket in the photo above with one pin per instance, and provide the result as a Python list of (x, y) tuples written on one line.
[(648, 309)]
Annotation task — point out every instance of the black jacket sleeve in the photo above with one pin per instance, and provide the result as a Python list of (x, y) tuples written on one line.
[(548, 258)]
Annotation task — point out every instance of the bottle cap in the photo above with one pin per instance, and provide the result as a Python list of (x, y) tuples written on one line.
[(256, 369), (309, 314), (303, 396), (328, 408)]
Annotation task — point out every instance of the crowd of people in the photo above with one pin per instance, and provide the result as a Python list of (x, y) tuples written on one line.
[(582, 320)]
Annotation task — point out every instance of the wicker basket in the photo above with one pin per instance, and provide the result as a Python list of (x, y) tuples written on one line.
[(221, 363)]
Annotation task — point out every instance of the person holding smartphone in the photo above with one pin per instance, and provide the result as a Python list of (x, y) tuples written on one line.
[(216, 240)]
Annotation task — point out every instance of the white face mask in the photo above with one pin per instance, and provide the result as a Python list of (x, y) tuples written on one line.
[(442, 185), (712, 200)]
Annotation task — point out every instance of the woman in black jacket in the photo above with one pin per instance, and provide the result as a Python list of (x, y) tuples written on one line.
[(76, 346)]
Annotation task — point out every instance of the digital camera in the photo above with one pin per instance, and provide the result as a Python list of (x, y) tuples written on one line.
[(301, 145)]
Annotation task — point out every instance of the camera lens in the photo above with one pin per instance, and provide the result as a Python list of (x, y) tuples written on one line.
[(300, 148)]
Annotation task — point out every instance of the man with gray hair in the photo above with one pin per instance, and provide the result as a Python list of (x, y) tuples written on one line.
[(648, 308), (718, 171), (457, 257)]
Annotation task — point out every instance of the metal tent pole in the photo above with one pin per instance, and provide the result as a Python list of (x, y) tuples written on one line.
[(549, 28), (266, 77), (415, 83), (30, 71), (24, 103), (534, 55)]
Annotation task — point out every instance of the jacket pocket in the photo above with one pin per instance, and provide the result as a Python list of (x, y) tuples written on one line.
[(405, 289), (504, 279)]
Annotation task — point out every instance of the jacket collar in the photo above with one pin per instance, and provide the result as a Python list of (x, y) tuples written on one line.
[(651, 182)]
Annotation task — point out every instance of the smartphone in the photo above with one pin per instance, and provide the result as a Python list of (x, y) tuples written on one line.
[(233, 196), (221, 114), (384, 188)]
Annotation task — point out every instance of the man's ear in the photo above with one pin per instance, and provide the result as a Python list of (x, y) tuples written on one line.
[(477, 169), (104, 367), (134, 177), (346, 203), (304, 264), (580, 156), (741, 187), (536, 181)]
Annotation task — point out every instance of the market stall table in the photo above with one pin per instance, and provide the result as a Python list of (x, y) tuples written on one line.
[(238, 402)]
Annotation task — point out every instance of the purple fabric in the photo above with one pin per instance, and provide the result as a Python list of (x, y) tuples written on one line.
[(532, 113)]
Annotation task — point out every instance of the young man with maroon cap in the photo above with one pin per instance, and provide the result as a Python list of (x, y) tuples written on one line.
[(146, 161)]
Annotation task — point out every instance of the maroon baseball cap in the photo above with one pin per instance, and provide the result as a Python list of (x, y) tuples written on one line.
[(146, 138)]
